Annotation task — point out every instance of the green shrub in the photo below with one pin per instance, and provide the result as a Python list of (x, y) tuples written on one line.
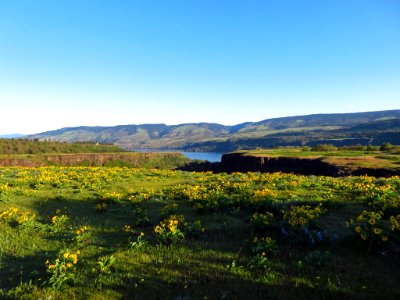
[(324, 147), (386, 147)]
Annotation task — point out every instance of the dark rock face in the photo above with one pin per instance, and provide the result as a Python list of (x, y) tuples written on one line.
[(237, 162), (378, 172)]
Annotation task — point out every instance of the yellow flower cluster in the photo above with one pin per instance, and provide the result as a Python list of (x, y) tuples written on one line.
[(15, 214), (73, 257), (91, 178), (379, 194), (170, 224), (59, 220), (112, 196), (264, 193), (66, 261), (370, 217), (369, 226), (9, 213), (299, 216), (127, 228), (169, 229), (395, 222), (4, 188), (82, 229)]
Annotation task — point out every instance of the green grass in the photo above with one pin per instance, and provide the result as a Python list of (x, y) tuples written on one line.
[(23, 146), (164, 160), (214, 264)]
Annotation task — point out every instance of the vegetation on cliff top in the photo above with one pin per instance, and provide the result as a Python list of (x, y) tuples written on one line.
[(162, 160), (384, 156), (25, 146)]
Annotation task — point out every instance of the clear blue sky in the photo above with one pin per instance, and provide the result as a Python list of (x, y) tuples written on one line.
[(82, 62)]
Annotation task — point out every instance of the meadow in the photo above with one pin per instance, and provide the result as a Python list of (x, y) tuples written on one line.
[(131, 233)]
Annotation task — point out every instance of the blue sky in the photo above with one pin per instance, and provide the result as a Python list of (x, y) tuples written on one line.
[(71, 63)]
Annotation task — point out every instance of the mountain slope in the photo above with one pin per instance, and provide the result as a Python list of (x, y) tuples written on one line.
[(340, 129)]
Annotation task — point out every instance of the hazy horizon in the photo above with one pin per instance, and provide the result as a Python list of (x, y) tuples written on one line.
[(74, 63)]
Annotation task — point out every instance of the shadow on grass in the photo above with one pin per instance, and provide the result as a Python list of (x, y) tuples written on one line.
[(193, 269), (225, 285), (16, 270)]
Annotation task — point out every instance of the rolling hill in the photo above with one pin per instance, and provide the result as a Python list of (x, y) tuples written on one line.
[(338, 129)]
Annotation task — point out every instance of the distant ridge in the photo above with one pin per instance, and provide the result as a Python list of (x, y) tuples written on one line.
[(337, 129)]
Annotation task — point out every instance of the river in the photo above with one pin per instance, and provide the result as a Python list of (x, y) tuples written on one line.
[(209, 156)]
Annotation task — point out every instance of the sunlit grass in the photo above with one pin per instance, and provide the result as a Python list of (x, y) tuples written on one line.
[(316, 256)]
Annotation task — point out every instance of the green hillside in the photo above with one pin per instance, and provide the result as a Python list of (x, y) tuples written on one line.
[(339, 129)]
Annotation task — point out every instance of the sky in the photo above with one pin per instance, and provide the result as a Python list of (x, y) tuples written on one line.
[(104, 63)]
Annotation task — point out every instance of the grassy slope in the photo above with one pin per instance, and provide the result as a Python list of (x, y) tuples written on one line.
[(212, 265)]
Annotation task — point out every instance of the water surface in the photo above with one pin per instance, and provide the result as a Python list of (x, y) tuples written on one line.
[(209, 156)]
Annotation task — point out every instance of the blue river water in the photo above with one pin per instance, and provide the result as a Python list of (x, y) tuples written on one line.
[(209, 156)]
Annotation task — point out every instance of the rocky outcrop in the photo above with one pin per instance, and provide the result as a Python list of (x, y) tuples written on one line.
[(237, 162), (19, 162), (94, 159)]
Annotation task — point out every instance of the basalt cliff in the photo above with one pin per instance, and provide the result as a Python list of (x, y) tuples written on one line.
[(240, 162)]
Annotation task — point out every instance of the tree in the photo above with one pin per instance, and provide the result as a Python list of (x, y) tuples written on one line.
[(386, 147)]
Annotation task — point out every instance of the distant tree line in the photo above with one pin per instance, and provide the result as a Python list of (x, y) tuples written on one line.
[(25, 146), (358, 147)]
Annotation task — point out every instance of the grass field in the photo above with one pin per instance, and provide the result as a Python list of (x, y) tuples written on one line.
[(124, 233)]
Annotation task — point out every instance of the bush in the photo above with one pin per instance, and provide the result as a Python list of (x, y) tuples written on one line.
[(356, 147), (386, 147), (324, 147), (372, 148)]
